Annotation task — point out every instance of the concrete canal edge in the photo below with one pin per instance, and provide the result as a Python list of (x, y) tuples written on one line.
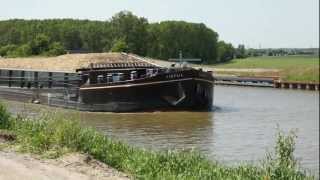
[(271, 82)]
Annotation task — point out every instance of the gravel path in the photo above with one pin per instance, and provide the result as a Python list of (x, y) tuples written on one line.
[(15, 166)]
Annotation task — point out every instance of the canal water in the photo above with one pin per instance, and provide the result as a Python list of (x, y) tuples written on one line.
[(241, 129)]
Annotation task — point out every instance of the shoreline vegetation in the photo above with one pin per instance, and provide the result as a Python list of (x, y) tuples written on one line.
[(53, 135), (124, 32), (287, 68)]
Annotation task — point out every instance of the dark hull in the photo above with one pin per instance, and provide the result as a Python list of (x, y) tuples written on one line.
[(186, 94)]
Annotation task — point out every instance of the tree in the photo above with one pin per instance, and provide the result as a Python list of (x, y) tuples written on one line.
[(123, 32), (40, 44), (71, 38), (241, 52), (96, 37), (167, 38), (132, 30), (21, 51), (225, 51), (120, 46), (4, 51), (56, 49)]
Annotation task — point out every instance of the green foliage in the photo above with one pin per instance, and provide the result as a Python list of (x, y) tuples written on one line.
[(241, 52), (55, 49), (124, 32), (40, 44), (24, 50), (292, 68), (283, 165), (225, 51), (120, 46), (21, 51), (4, 117), (5, 50), (55, 135), (132, 31), (168, 38)]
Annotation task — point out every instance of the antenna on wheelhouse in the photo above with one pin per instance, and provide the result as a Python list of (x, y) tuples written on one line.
[(180, 57), (182, 60)]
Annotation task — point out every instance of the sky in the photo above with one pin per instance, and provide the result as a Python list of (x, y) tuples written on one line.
[(254, 23)]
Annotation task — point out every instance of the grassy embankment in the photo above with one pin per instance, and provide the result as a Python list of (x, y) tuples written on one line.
[(53, 136), (291, 68)]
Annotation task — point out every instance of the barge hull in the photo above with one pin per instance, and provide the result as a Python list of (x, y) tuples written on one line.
[(193, 94)]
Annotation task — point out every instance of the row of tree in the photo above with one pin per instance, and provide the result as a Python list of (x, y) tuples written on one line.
[(125, 32), (41, 45)]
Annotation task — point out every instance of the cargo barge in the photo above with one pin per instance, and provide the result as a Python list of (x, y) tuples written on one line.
[(115, 82)]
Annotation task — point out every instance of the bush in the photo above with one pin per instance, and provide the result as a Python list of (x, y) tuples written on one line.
[(282, 164), (40, 44), (4, 117), (38, 47), (119, 46), (5, 50), (21, 51), (55, 49)]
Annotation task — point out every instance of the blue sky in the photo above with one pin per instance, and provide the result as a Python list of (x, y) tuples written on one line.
[(255, 23)]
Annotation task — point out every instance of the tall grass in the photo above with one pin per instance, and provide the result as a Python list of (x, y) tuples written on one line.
[(291, 68), (273, 62), (56, 135)]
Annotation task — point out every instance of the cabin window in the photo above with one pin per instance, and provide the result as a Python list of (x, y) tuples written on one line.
[(133, 75), (36, 79), (109, 78), (115, 77), (15, 81), (121, 76), (43, 79), (58, 79), (100, 78), (50, 80), (149, 72), (22, 83), (4, 77)]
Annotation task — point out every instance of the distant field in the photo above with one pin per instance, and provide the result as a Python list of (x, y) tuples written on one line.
[(291, 68)]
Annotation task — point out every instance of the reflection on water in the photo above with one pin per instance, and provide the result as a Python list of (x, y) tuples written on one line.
[(242, 127), (158, 130)]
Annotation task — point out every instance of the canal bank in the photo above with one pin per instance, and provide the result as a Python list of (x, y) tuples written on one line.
[(241, 129), (263, 81), (75, 166), (55, 135)]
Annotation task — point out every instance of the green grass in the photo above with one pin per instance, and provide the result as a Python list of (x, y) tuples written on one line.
[(54, 135), (292, 68)]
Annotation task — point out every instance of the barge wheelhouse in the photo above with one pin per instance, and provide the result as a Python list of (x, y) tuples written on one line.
[(125, 83)]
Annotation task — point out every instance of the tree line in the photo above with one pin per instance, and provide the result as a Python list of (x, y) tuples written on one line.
[(124, 32)]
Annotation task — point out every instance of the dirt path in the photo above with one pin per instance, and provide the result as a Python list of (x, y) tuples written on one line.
[(15, 166)]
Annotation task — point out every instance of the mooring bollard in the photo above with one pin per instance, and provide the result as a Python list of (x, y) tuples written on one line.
[(298, 86), (307, 87), (290, 86), (49, 98)]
